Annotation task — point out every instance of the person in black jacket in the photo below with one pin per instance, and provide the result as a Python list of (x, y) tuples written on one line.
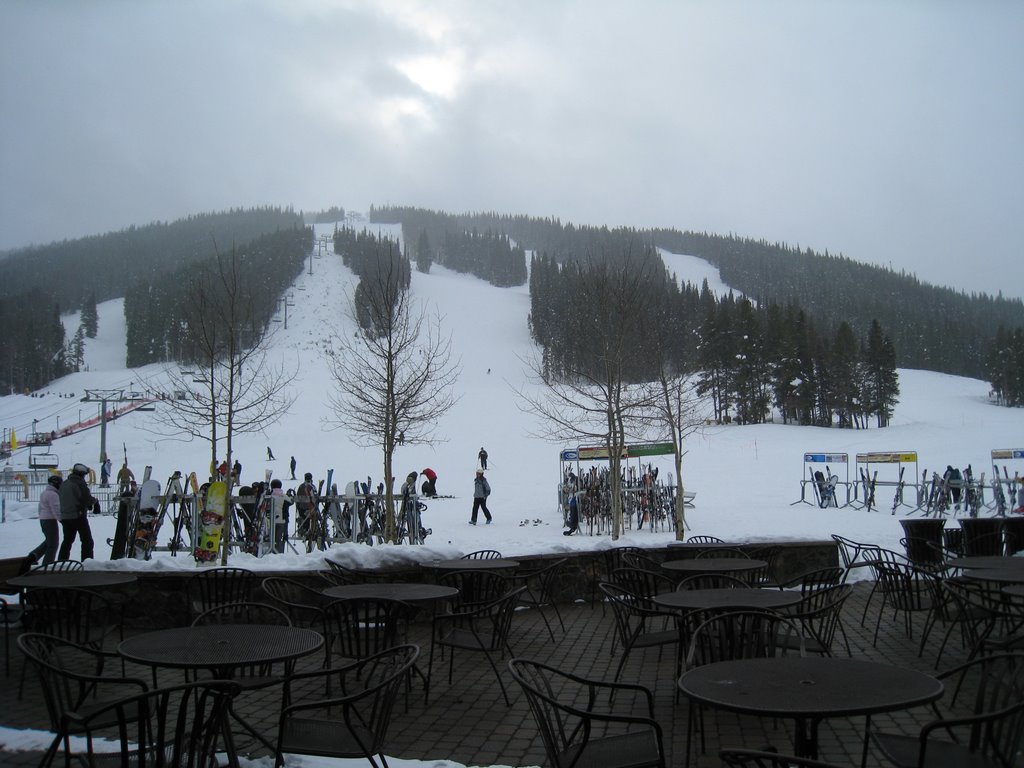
[(75, 504)]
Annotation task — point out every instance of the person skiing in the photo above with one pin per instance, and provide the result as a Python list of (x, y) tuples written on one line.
[(483, 458), (481, 490), (75, 503), (291, 466), (49, 521), (270, 454), (429, 488), (125, 478), (305, 503)]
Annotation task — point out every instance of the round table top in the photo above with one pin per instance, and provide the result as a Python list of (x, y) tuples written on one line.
[(471, 565), (813, 686), (696, 545), (987, 561), (220, 646), (1014, 590), (83, 579), (999, 575), (410, 593), (715, 565), (704, 599)]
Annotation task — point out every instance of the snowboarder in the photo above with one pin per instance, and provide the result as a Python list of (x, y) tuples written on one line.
[(75, 504), (49, 521), (291, 466), (481, 490), (483, 458), (429, 488)]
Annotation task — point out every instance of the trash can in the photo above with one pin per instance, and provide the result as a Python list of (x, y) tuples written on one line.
[(982, 535), (924, 540)]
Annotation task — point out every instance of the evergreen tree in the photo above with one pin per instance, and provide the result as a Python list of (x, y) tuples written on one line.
[(90, 317)]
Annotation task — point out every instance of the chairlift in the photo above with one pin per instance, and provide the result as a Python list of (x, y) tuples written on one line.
[(43, 460)]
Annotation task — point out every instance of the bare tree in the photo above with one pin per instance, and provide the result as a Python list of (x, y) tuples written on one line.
[(592, 397), (239, 389), (394, 374)]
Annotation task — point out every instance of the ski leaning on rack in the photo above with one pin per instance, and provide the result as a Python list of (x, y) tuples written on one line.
[(898, 498), (997, 491)]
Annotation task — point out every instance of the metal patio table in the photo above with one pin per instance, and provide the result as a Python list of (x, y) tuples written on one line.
[(79, 579), (809, 690), (472, 565), (997, 575), (987, 561), (405, 591), (729, 565), (727, 599)]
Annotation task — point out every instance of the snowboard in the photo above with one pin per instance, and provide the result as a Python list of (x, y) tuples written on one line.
[(212, 516), (145, 527), (127, 506)]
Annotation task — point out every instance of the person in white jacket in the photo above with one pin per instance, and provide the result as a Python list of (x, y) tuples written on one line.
[(49, 521)]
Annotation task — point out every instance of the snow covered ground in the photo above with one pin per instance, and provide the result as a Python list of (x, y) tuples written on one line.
[(745, 477)]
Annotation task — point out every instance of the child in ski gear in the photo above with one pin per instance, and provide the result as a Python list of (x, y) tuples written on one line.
[(75, 503), (49, 521), (481, 490), (483, 458), (430, 484)]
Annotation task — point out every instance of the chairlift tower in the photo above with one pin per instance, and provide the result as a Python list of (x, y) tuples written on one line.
[(104, 396)]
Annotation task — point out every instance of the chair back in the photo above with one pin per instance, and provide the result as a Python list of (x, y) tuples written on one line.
[(704, 540), (354, 720), (242, 613), (475, 587), (569, 716), (344, 574), (712, 581), (853, 553), (60, 565), (69, 674), (819, 578), (742, 635), (637, 560), (357, 628), (177, 727), (216, 586), (483, 554), (70, 613), (302, 604), (726, 552), (819, 614), (643, 583)]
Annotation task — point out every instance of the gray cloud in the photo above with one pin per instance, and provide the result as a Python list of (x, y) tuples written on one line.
[(891, 132)]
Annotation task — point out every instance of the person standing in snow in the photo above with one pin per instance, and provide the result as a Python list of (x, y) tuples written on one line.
[(481, 490), (270, 454), (49, 521), (291, 466), (75, 504), (483, 458), (125, 478)]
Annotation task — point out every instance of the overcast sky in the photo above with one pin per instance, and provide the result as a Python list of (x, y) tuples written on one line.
[(889, 131)]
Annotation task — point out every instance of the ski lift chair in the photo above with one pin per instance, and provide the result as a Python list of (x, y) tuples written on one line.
[(353, 723), (216, 586), (539, 594), (577, 730), (72, 680), (482, 554), (481, 629), (985, 707)]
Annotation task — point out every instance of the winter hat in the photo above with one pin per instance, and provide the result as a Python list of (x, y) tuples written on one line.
[(54, 480), (80, 469), (309, 476), (479, 471)]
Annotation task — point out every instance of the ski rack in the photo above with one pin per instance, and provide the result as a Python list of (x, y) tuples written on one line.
[(1013, 490), (815, 460), (869, 481)]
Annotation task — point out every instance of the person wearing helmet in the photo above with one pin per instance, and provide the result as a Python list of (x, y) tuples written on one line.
[(75, 504), (49, 521)]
